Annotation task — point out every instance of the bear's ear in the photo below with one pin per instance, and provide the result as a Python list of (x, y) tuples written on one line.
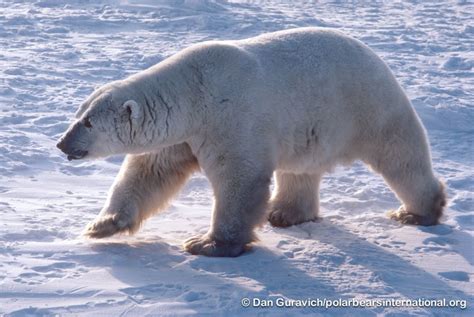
[(133, 108)]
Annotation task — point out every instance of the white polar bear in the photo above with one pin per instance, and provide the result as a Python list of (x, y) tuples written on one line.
[(294, 102)]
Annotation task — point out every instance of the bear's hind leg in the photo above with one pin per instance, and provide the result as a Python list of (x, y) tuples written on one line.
[(422, 205), (144, 185), (296, 199), (407, 170)]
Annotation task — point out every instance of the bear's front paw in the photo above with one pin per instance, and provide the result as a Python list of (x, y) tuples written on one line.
[(205, 245), (408, 218), (107, 226)]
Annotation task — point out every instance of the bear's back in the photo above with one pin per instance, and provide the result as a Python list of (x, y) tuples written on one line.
[(313, 52)]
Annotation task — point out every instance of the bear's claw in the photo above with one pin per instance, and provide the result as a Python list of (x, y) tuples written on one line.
[(204, 245), (408, 218)]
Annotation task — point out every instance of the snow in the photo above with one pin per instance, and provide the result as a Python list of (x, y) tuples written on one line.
[(53, 53)]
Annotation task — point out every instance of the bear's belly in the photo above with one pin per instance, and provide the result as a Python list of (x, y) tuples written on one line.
[(314, 159), (312, 148)]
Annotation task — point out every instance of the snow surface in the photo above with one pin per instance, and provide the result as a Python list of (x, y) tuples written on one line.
[(53, 53)]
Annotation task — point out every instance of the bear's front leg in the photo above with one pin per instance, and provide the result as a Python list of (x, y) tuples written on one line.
[(144, 185), (119, 215), (241, 193)]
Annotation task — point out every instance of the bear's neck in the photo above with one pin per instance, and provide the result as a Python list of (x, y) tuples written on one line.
[(173, 101)]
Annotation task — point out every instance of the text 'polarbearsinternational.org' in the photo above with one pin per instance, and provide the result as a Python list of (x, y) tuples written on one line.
[(352, 302)]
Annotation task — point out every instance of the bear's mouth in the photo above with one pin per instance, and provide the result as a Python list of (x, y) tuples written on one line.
[(77, 155)]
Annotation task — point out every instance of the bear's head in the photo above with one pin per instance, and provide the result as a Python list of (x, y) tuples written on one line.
[(107, 124)]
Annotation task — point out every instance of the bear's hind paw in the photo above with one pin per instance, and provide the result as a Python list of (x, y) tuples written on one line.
[(408, 218), (284, 218), (204, 245)]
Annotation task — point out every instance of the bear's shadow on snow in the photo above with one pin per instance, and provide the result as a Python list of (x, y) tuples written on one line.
[(150, 266), (398, 274), (155, 265)]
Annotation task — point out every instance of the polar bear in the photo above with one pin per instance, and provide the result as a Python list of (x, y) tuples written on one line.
[(292, 104)]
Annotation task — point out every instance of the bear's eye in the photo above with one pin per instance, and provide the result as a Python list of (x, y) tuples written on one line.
[(87, 123)]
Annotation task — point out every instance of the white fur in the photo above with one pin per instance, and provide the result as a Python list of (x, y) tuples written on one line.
[(297, 102)]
